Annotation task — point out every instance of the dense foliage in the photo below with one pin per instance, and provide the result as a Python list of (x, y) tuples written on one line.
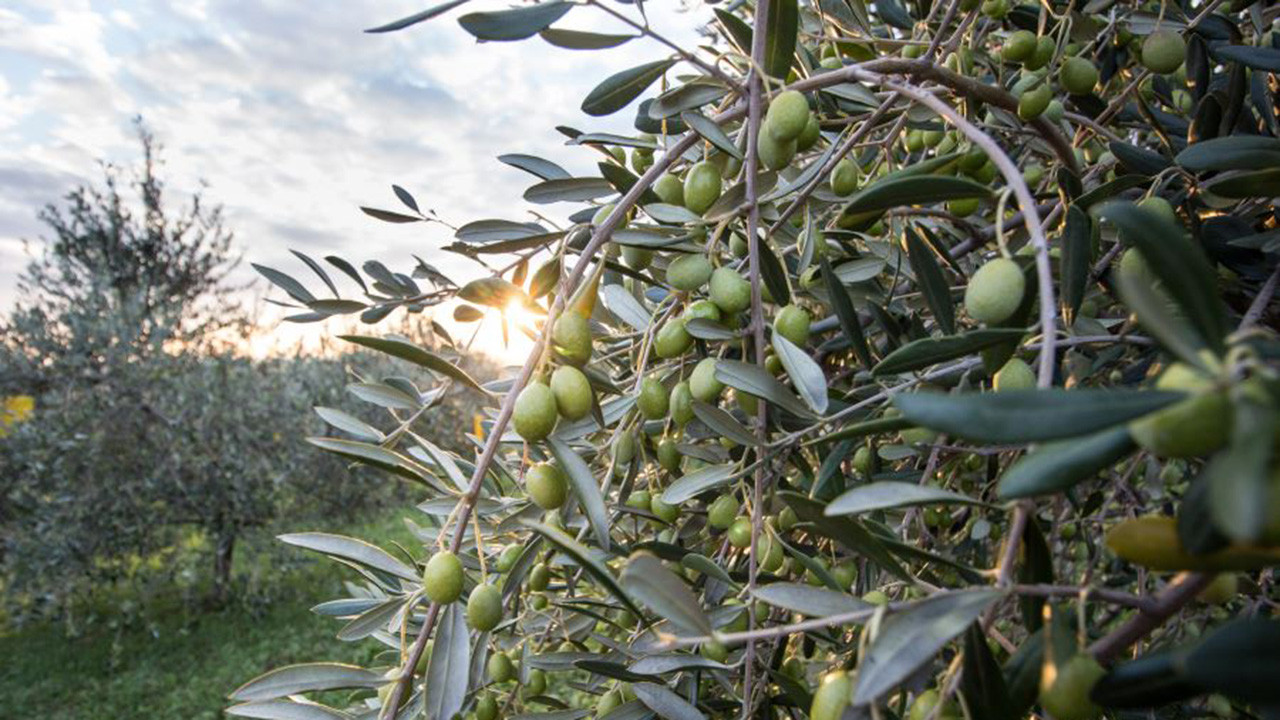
[(145, 444), (924, 366)]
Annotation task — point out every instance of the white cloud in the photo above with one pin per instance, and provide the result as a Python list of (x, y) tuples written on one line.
[(294, 116)]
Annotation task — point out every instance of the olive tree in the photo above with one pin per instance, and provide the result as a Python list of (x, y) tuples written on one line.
[(908, 360)]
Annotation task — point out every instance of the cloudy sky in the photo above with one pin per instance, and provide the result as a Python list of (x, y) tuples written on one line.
[(293, 116)]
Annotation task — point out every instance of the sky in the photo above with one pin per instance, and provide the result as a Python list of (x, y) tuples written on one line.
[(290, 116)]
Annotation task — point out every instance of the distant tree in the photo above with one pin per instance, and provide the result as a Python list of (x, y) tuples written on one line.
[(117, 277)]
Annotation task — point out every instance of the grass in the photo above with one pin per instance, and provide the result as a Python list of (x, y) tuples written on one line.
[(184, 666)]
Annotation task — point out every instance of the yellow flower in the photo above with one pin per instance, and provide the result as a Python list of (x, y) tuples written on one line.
[(16, 409)]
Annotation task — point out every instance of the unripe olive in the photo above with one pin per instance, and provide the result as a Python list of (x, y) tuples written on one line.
[(484, 607), (608, 702), (995, 9), (665, 512), (670, 189), (486, 708), (1016, 374), (572, 337), (1034, 101), (995, 291), (740, 532), (535, 412), (1163, 51), (749, 403), (703, 383), (714, 651), (442, 578), (963, 207), (932, 138), (537, 683), (1041, 55), (722, 512), (652, 399), (770, 555), (689, 272), (862, 461), (773, 364), (1020, 46), (986, 173), (918, 436), (1034, 173), (1190, 428), (702, 187), (681, 402), (1222, 590), (500, 668), (924, 703), (672, 340), (1159, 207), (809, 136), (844, 178), (1078, 76), (637, 258), (507, 558), (876, 597), (546, 486), (624, 448), (639, 500), (539, 577), (729, 290), (845, 573), (973, 160), (618, 154), (915, 141), (641, 160), (1064, 690), (573, 392), (668, 455), (832, 696), (774, 154), (787, 519), (704, 309), (787, 116), (792, 323)]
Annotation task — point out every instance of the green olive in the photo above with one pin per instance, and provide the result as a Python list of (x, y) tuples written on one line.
[(924, 703), (702, 187), (535, 412), (729, 290), (1222, 590), (507, 558), (740, 532), (995, 291), (681, 402), (792, 323), (1163, 51), (500, 668), (536, 684), (787, 116), (668, 455), (689, 272), (442, 578), (546, 486), (574, 397), (653, 399), (486, 707), (539, 577), (1078, 76), (484, 607), (639, 500), (1064, 689), (774, 154), (844, 178), (1033, 102), (1016, 374), (1020, 46), (832, 696), (862, 461), (1193, 427), (963, 207), (714, 651), (703, 383), (722, 512), (809, 137), (637, 258), (665, 512), (572, 337), (670, 189), (672, 340), (704, 309)]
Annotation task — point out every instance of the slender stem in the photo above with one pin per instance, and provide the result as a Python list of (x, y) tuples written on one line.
[(755, 88), (1184, 588), (687, 56), (1259, 304)]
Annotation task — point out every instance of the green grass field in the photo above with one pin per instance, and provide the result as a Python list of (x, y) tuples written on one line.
[(184, 666)]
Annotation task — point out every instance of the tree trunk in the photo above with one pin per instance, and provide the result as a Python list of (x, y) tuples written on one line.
[(222, 554)]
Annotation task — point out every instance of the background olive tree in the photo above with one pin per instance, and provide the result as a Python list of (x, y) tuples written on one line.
[(924, 366)]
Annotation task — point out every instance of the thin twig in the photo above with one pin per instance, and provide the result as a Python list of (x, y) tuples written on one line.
[(1182, 590)]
